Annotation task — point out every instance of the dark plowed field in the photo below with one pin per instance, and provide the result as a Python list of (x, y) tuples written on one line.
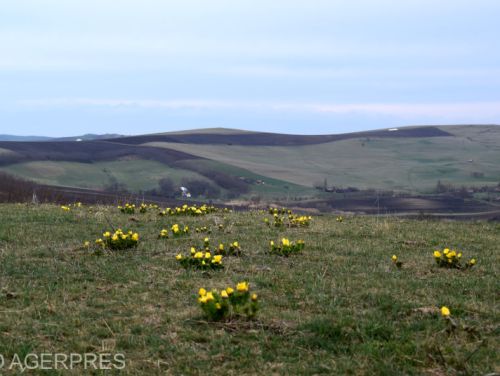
[(274, 139), (85, 152), (417, 204)]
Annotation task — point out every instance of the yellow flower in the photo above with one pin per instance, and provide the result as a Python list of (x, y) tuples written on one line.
[(107, 234), (236, 245), (202, 299), (193, 250), (217, 259), (202, 292), (114, 237), (472, 261), (285, 242), (178, 257), (135, 236), (254, 297), (209, 296), (218, 306), (229, 291), (224, 294), (98, 241), (86, 244), (242, 286), (446, 250), (221, 247), (459, 255), (437, 254), (394, 258), (124, 237), (445, 311), (206, 240), (208, 255), (198, 255), (271, 243)]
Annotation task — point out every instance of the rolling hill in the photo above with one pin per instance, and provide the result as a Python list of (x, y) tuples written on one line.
[(409, 159)]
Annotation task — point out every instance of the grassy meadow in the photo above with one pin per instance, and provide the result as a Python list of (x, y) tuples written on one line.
[(384, 163), (340, 306), (135, 174)]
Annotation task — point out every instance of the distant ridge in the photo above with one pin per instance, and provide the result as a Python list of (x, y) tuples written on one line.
[(277, 139), (85, 137), (8, 137)]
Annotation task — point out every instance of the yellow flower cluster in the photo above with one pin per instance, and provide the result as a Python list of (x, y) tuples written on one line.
[(127, 209), (68, 207), (189, 210), (176, 231), (286, 247), (119, 240), (451, 259), (233, 249), (278, 220), (279, 211), (299, 221), (219, 305), (339, 219), (200, 260), (292, 220)]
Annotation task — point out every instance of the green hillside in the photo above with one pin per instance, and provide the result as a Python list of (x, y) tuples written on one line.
[(470, 157), (134, 174)]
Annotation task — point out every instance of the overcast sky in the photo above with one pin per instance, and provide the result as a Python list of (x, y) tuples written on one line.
[(310, 66)]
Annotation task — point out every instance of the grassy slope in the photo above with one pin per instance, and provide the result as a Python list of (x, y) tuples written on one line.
[(139, 174), (399, 163), (136, 174), (271, 187), (5, 151), (339, 308)]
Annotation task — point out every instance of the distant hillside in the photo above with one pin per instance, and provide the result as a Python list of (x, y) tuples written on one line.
[(231, 162), (90, 137), (8, 137), (276, 139), (85, 137)]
